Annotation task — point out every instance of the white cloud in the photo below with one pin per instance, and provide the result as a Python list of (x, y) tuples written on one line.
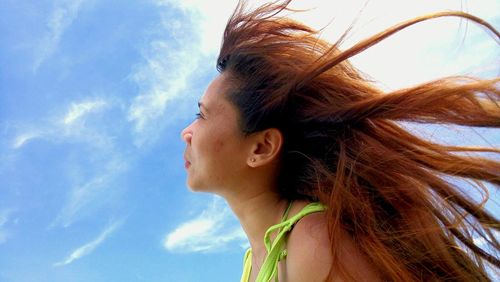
[(78, 199), (5, 214), (95, 193), (210, 21), (92, 187), (212, 230), (64, 13), (70, 125), (78, 110), (88, 248), (162, 78), (23, 138)]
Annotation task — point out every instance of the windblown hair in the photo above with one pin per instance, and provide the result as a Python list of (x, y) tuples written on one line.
[(345, 146)]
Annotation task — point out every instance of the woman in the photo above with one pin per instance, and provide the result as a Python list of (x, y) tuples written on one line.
[(325, 183)]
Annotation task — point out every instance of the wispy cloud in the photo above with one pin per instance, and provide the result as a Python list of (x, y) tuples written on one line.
[(89, 247), (87, 198), (5, 215), (162, 79), (212, 230), (70, 125), (78, 123), (64, 13), (164, 74), (23, 138), (78, 110), (208, 21)]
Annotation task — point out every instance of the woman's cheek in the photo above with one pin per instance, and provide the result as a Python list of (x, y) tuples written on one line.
[(219, 144)]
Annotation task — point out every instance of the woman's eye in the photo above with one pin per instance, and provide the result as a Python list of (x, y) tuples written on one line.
[(199, 115)]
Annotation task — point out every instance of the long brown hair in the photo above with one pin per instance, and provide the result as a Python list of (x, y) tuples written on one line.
[(344, 146)]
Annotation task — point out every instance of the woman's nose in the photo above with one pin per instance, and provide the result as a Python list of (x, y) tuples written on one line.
[(187, 134)]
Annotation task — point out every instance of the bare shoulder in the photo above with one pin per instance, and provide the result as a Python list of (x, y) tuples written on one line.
[(309, 253), (309, 257)]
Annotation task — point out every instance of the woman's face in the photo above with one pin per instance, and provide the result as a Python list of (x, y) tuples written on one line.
[(215, 154)]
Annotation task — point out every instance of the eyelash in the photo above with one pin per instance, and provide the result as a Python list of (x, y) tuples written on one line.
[(199, 115)]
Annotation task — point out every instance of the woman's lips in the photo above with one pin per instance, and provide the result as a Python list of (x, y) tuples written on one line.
[(187, 163)]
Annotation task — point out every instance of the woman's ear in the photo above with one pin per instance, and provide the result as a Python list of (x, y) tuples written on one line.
[(265, 148)]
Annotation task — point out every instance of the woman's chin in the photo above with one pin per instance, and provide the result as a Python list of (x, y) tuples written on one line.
[(194, 186), (199, 187)]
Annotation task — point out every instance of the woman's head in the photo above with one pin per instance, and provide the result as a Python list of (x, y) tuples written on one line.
[(266, 61)]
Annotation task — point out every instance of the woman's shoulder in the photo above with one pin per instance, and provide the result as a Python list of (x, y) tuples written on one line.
[(309, 252), (309, 257)]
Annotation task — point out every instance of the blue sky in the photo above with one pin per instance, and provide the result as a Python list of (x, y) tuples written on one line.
[(94, 94)]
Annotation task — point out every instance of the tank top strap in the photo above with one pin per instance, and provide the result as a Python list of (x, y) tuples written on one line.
[(247, 266), (274, 248)]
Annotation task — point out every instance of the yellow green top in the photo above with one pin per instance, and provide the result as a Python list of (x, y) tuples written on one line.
[(276, 250)]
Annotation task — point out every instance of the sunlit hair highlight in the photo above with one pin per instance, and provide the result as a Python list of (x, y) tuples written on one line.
[(345, 146)]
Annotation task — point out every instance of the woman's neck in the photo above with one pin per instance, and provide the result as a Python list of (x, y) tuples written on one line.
[(256, 214)]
